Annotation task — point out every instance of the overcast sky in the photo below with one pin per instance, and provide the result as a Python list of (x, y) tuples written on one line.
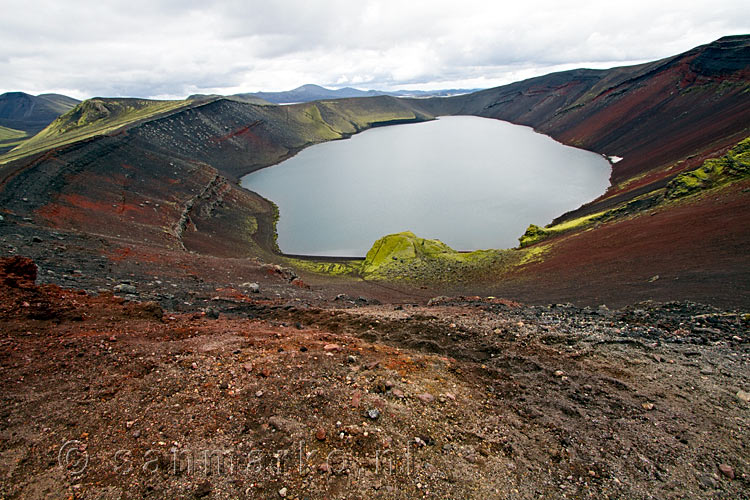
[(173, 48)]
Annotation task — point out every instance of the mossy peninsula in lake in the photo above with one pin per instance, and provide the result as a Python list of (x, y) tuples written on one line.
[(470, 182)]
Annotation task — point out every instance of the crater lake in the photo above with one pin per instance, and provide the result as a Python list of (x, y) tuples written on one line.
[(470, 182)]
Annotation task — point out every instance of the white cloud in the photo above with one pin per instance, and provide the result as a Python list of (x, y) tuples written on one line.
[(174, 48)]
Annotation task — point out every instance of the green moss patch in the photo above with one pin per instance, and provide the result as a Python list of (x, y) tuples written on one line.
[(714, 172), (342, 268), (535, 234)]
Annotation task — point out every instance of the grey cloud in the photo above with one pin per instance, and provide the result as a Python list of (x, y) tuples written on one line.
[(171, 47)]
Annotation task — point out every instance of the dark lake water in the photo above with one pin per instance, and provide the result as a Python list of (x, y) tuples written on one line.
[(471, 182)]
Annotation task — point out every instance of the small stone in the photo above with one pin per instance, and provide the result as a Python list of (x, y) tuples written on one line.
[(707, 481), (398, 393), (320, 434), (356, 399), (252, 287), (727, 470), (332, 347), (125, 288), (282, 492), (373, 413), (203, 490), (212, 313), (743, 396), (259, 394), (36, 239), (194, 366), (559, 373), (707, 370), (265, 372), (351, 359), (248, 367), (648, 406), (426, 397), (450, 396), (136, 434)]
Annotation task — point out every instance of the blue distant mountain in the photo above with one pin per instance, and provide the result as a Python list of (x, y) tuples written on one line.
[(311, 92)]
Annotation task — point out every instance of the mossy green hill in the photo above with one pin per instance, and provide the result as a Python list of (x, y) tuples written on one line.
[(405, 256), (91, 118)]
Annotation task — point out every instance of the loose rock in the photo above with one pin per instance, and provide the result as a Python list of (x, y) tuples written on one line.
[(125, 288), (727, 470), (426, 397)]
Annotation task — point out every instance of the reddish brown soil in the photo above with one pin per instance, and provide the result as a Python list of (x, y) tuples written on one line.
[(693, 250), (104, 398)]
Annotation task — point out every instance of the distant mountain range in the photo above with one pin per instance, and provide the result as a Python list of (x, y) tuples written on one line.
[(310, 92)]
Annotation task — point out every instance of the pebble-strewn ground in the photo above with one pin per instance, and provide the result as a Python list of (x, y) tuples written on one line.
[(459, 398)]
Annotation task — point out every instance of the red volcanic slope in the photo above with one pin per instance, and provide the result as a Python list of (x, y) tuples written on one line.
[(696, 250)]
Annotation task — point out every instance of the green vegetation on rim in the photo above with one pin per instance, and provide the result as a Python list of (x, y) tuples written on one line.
[(714, 172), (405, 256), (535, 234), (91, 118), (342, 268)]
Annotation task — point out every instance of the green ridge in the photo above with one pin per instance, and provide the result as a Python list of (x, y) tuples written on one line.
[(91, 118)]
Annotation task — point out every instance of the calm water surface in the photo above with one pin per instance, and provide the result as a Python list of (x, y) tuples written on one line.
[(471, 182)]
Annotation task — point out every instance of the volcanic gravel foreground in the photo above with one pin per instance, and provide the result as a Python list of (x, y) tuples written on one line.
[(272, 396)]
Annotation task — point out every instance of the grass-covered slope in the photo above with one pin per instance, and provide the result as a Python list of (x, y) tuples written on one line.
[(10, 138), (90, 118)]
